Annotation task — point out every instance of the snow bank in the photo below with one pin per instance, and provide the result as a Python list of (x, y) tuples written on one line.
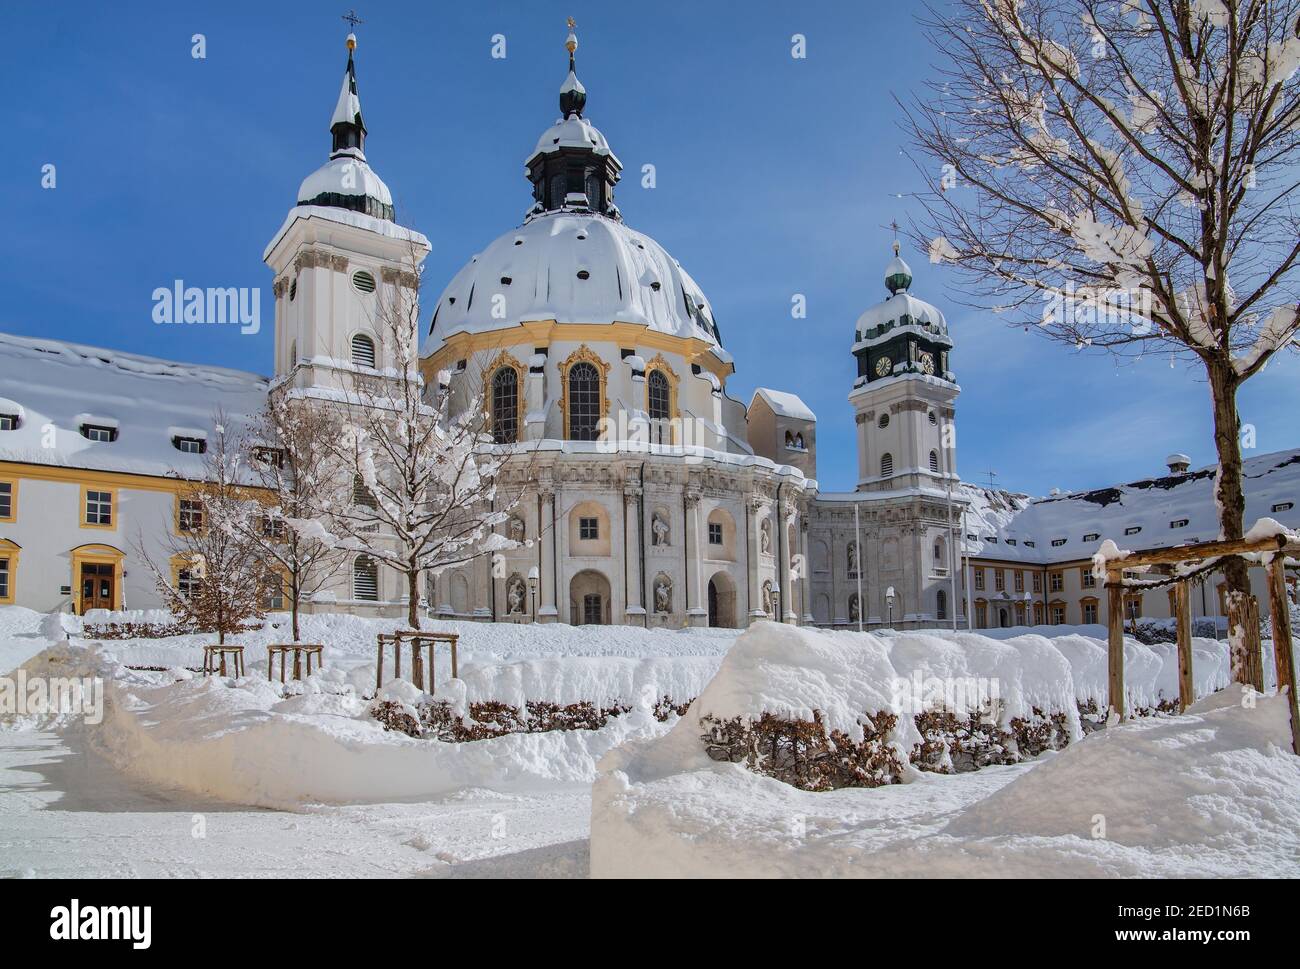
[(258, 742), (1215, 792)]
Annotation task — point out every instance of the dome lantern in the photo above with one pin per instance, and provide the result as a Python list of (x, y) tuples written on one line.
[(572, 168), (898, 274)]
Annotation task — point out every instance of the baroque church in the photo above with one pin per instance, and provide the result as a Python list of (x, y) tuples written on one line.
[(644, 493)]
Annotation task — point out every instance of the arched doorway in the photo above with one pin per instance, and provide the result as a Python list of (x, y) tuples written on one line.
[(589, 600), (1003, 619), (722, 601)]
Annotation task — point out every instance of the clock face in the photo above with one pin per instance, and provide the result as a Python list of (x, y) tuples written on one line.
[(884, 366), (927, 362)]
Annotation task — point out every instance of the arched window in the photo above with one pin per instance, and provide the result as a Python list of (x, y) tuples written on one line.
[(938, 551), (365, 579), (789, 439), (658, 395), (887, 465), (583, 394), (798, 441), (934, 462), (941, 605), (505, 406), (361, 494), (363, 351)]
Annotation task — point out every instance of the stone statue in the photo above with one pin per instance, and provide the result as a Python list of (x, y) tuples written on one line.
[(765, 536), (663, 594), (853, 558), (767, 598), (658, 531), (516, 528), (854, 611), (515, 594)]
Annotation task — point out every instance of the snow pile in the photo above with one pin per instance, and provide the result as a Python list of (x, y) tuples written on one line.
[(1213, 792), (258, 742)]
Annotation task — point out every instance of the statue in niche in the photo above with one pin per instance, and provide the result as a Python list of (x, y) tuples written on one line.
[(515, 595), (853, 558), (768, 605), (663, 594), (854, 611), (658, 531), (765, 536), (517, 528)]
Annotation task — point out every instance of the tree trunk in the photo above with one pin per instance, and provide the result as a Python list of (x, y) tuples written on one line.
[(293, 587), (413, 598), (1228, 488)]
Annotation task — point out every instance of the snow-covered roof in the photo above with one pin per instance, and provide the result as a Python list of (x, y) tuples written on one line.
[(346, 217), (147, 400), (784, 404), (1159, 512), (346, 174), (572, 132), (893, 310), (573, 268), (348, 108)]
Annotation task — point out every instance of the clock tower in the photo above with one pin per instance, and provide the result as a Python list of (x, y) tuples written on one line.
[(904, 392)]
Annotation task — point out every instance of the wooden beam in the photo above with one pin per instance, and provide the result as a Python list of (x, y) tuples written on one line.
[(1115, 653), (1183, 614), (1282, 651), (1199, 551)]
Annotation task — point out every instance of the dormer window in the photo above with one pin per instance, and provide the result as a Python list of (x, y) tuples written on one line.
[(1030, 544), (272, 456), (1091, 537), (1179, 523), (1058, 542), (1284, 506), (8, 422), (190, 445), (1132, 529), (101, 433)]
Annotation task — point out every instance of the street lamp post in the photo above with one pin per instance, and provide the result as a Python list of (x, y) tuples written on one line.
[(532, 588), (776, 600), (889, 601)]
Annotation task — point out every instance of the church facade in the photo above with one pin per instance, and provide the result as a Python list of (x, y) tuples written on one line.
[(640, 490)]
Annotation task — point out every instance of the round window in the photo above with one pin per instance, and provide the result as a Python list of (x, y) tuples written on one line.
[(363, 281)]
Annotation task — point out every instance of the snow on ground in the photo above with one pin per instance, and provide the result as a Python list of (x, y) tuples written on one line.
[(291, 782), (1211, 793)]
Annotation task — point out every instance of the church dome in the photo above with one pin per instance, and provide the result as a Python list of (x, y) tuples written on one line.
[(573, 267), (901, 308)]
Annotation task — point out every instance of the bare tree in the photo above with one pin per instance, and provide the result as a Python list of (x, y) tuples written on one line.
[(1123, 175), (215, 577), (301, 477), (425, 494)]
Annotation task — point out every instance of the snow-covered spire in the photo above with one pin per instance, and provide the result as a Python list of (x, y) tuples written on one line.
[(346, 126), (573, 96)]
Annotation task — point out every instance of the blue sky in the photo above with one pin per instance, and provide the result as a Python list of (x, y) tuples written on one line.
[(775, 176)]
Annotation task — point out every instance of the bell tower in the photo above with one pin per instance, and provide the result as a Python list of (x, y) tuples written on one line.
[(904, 393), (344, 269)]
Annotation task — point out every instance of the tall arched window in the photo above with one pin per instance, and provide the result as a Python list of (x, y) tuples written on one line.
[(363, 351), (505, 406), (886, 465), (365, 579), (658, 396), (583, 393), (941, 605), (934, 462)]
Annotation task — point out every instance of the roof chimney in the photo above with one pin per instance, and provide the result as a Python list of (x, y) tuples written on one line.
[(1178, 463)]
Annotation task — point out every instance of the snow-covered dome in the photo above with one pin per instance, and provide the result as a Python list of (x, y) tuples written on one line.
[(573, 268), (901, 309), (571, 132), (345, 174)]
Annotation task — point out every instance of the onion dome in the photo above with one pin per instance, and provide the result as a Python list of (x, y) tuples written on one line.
[(347, 181), (901, 308)]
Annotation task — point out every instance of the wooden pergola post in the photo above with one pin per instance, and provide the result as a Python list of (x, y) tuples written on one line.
[(1115, 653), (1183, 614), (1282, 652)]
